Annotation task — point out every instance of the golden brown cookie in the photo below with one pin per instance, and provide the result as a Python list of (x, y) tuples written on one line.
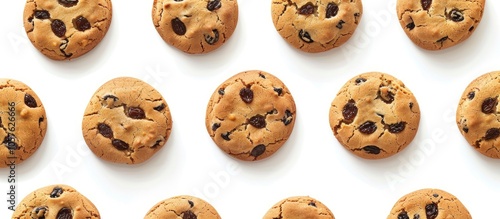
[(316, 26), (66, 29), (478, 114), (251, 115), (439, 24), (23, 122), (195, 26), (300, 207), (56, 202), (374, 115), (429, 204), (126, 121), (185, 207)]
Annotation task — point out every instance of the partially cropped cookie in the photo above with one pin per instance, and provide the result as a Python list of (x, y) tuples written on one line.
[(66, 29), (429, 204), (195, 26), (23, 122), (126, 121), (439, 24), (374, 115), (56, 202), (316, 26), (299, 207), (478, 114), (250, 115), (185, 207)]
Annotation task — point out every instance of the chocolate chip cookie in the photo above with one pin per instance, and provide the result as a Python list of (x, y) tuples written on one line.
[(23, 122), (66, 29), (195, 26), (430, 204), (251, 115), (186, 207), (299, 207), (126, 121), (478, 114), (56, 201), (439, 24), (374, 115), (316, 26)]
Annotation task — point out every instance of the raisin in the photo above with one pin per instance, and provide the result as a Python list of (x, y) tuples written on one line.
[(178, 26), (10, 141), (456, 15), (226, 136), (211, 40), (331, 10), (64, 213), (340, 25), (397, 127), (471, 95), (221, 91), (215, 126), (214, 5), (56, 192), (350, 111), (288, 118), (160, 107), (258, 150), (368, 127), (58, 27), (304, 36), (119, 144), (403, 215), (492, 134), (410, 26), (30, 101), (307, 9), (312, 204), (426, 4), (42, 14), (81, 23), (188, 215), (278, 90), (246, 95), (136, 113), (360, 80), (258, 121), (191, 204), (372, 149), (489, 105), (68, 3), (431, 211), (105, 130)]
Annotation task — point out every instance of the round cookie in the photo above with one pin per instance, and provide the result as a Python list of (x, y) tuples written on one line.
[(299, 207), (195, 26), (23, 122), (316, 26), (374, 115), (439, 24), (56, 201), (126, 121), (66, 29), (186, 207), (430, 204), (251, 115), (478, 114)]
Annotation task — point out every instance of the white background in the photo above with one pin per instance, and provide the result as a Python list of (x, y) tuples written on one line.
[(312, 162)]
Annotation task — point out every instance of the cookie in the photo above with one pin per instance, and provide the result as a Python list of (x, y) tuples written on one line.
[(374, 115), (66, 29), (251, 115), (430, 204), (186, 207), (478, 114), (23, 122), (56, 201), (299, 207), (195, 26), (316, 26), (439, 24), (126, 121)]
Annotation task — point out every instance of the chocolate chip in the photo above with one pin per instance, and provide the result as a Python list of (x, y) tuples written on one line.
[(214, 5), (106, 97), (105, 130), (246, 95), (456, 15), (410, 26), (262, 76), (42, 14), (331, 10), (119, 144), (307, 9), (304, 36), (178, 26), (426, 4), (416, 216), (65, 213), (160, 107), (492, 134), (388, 98), (489, 105), (10, 141), (368, 127), (471, 95), (465, 129), (435, 195), (258, 121), (397, 127), (39, 212), (471, 29), (288, 118), (431, 211), (188, 215), (360, 80), (278, 90), (226, 136), (340, 25), (312, 204), (58, 27), (221, 91), (56, 192), (68, 3), (81, 23), (411, 105), (136, 113), (372, 149), (191, 204), (258, 150), (350, 111), (442, 39), (211, 40), (403, 215), (215, 126), (30, 101)]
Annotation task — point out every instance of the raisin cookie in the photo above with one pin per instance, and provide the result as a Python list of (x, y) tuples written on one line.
[(23, 122), (439, 24), (299, 207), (195, 26), (56, 201), (316, 26), (374, 115), (430, 204), (126, 121), (66, 29), (478, 114), (251, 115), (186, 207)]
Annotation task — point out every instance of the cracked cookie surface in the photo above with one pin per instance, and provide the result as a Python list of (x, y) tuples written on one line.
[(439, 24), (299, 207), (478, 114), (126, 121), (429, 204), (23, 122), (251, 115), (184, 206), (374, 115), (55, 202), (316, 26), (195, 26), (66, 29)]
